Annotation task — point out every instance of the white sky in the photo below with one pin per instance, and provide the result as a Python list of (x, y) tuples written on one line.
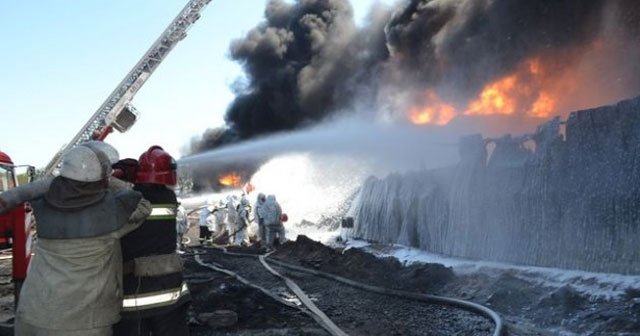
[(61, 59)]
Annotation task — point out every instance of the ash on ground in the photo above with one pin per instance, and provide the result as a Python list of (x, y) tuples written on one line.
[(527, 308)]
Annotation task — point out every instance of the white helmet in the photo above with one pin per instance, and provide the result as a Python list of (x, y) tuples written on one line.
[(106, 148), (84, 164), (211, 204)]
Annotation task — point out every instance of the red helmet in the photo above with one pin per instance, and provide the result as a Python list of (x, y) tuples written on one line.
[(4, 158), (156, 167)]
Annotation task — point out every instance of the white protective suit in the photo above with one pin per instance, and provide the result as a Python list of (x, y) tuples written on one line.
[(242, 223), (272, 213), (259, 217), (217, 219), (232, 217), (182, 224)]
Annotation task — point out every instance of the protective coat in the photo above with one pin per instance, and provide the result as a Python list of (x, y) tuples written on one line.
[(75, 277), (151, 263), (259, 218), (242, 224), (271, 211), (219, 216)]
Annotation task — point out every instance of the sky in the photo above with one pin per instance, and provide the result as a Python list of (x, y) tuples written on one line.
[(61, 59)]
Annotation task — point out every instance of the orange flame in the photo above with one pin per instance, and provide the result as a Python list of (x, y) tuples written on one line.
[(495, 98), (541, 86), (529, 90), (523, 91), (232, 179), (435, 111)]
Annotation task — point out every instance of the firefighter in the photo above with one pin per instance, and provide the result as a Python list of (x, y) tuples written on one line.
[(218, 217), (232, 217), (242, 222), (272, 213), (76, 272), (182, 225), (155, 295), (203, 223), (258, 216)]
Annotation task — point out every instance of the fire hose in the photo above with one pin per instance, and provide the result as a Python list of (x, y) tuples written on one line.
[(311, 309), (426, 298)]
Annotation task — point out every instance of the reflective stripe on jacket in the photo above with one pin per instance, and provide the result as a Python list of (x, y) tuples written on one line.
[(163, 211), (154, 299)]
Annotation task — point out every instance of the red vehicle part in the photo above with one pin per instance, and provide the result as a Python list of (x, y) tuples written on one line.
[(20, 220), (15, 226)]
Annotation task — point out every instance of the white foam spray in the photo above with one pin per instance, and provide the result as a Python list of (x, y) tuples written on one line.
[(312, 171), (385, 146)]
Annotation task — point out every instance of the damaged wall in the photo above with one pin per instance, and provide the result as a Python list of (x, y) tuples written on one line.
[(573, 202)]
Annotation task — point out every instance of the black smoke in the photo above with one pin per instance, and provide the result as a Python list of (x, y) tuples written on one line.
[(294, 62), (468, 43), (308, 60)]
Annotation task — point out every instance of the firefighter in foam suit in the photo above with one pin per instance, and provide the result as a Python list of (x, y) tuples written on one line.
[(232, 218), (272, 213), (182, 224), (203, 223), (259, 218), (242, 222), (75, 278), (219, 216), (156, 296)]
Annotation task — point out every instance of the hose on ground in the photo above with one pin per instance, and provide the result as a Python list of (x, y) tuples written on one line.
[(311, 310), (467, 305), (434, 299), (324, 319)]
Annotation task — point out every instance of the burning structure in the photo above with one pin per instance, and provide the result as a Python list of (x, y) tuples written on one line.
[(571, 203), (430, 61), (435, 62)]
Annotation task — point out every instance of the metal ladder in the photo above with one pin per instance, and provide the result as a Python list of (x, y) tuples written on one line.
[(133, 81)]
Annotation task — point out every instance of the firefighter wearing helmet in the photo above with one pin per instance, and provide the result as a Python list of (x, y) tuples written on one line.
[(155, 295), (72, 287)]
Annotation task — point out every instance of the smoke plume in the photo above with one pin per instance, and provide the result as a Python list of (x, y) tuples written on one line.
[(308, 60)]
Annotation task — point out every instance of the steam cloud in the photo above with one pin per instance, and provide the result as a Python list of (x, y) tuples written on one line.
[(308, 60)]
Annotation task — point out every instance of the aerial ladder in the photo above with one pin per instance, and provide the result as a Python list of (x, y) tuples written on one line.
[(117, 112)]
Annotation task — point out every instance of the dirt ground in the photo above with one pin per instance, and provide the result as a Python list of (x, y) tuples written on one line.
[(527, 308)]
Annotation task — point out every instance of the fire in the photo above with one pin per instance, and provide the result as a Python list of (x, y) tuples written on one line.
[(534, 89), (435, 111), (543, 106), (524, 91), (541, 86), (496, 98), (232, 179)]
